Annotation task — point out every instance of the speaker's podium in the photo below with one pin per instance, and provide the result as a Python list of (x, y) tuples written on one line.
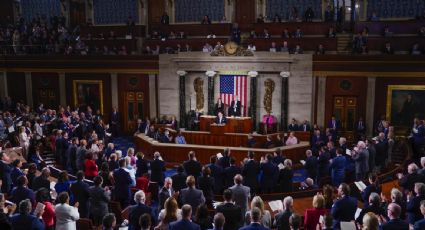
[(218, 129), (234, 125)]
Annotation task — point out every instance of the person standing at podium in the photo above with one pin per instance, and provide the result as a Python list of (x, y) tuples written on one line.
[(219, 107), (220, 119), (235, 107)]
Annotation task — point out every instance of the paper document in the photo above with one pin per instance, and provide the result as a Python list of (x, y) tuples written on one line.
[(358, 211), (348, 152), (348, 225), (219, 155), (11, 129), (216, 203), (302, 162), (280, 166), (360, 185), (276, 205)]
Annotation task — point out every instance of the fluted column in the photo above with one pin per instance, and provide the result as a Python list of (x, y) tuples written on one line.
[(210, 75), (284, 97), (182, 99), (253, 98)]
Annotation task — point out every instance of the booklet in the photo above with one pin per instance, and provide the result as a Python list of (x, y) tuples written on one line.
[(348, 225), (276, 205), (302, 162), (280, 166), (219, 155), (358, 211), (360, 185)]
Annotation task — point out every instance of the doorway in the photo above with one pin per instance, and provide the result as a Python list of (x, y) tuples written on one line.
[(345, 110), (133, 109)]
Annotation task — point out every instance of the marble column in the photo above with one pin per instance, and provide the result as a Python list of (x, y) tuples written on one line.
[(62, 89), (370, 105), (28, 88), (3, 84), (152, 96), (182, 99), (253, 99), (114, 90), (284, 97), (210, 75), (321, 95)]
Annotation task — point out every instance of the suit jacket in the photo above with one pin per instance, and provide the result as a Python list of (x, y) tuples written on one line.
[(304, 128), (217, 174), (361, 161), (335, 125), (66, 217), (409, 180), (21, 193), (250, 171), (134, 214), (229, 173), (98, 201), (419, 225), (282, 220), (179, 181), (40, 182), (157, 171), (26, 222), (241, 195), (232, 111), (163, 195), (122, 184), (80, 190), (270, 175), (142, 167), (223, 120), (192, 168), (343, 210), (413, 209), (5, 176), (183, 225), (395, 224), (360, 127), (206, 184), (293, 127), (192, 196), (232, 213), (311, 167)]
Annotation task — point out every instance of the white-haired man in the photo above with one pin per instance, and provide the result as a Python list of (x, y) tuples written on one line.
[(137, 210), (282, 218), (361, 158)]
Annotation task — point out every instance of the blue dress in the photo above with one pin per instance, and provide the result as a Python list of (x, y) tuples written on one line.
[(338, 170), (65, 187)]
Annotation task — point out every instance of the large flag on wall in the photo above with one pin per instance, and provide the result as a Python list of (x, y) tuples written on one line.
[(231, 85)]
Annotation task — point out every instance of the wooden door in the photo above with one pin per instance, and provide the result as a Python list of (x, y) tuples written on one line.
[(77, 13), (155, 10), (345, 110), (245, 11), (133, 109)]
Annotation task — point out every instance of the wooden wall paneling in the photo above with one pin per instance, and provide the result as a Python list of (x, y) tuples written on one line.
[(16, 86), (106, 80), (155, 10), (334, 87), (245, 11), (45, 89), (6, 11)]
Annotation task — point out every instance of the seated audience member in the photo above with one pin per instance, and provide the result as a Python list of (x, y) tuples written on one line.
[(374, 207), (24, 220), (344, 207), (206, 20), (191, 195), (180, 138), (420, 224), (414, 202), (165, 192), (266, 219), (298, 33), (137, 210), (206, 184), (207, 48), (320, 50), (393, 212), (292, 139), (186, 222), (145, 222), (269, 142), (99, 200), (277, 19), (370, 221), (295, 222), (388, 49), (312, 215), (22, 192), (266, 33), (415, 50), (230, 210), (192, 167), (308, 184), (219, 222), (285, 176), (293, 126), (281, 220), (373, 186), (407, 182), (170, 213), (109, 221), (255, 221), (298, 50), (66, 215), (286, 33), (202, 217), (273, 48)]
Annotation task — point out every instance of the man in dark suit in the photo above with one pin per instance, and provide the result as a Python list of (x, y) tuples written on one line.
[(322, 164), (157, 169), (217, 174), (420, 224), (25, 220), (80, 190), (381, 148), (334, 125), (408, 181), (191, 195), (137, 210), (41, 181), (240, 194), (293, 126), (123, 182), (270, 174), (255, 221), (250, 171), (317, 141), (224, 161), (413, 203), (230, 172), (179, 179), (395, 223), (22, 192), (165, 192), (192, 167), (220, 119), (235, 107), (115, 122), (282, 218), (310, 165), (5, 173), (345, 207), (185, 223), (165, 19), (360, 128), (418, 139), (305, 127), (231, 211), (219, 221)]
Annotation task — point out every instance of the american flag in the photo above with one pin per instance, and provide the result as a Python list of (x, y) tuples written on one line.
[(231, 85)]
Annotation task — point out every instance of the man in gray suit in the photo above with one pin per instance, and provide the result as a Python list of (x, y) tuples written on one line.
[(361, 158), (190, 195), (241, 194)]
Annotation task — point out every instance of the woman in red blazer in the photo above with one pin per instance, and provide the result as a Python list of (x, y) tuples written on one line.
[(312, 215), (90, 167)]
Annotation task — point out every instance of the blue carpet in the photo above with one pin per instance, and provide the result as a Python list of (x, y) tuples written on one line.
[(123, 144), (299, 175)]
